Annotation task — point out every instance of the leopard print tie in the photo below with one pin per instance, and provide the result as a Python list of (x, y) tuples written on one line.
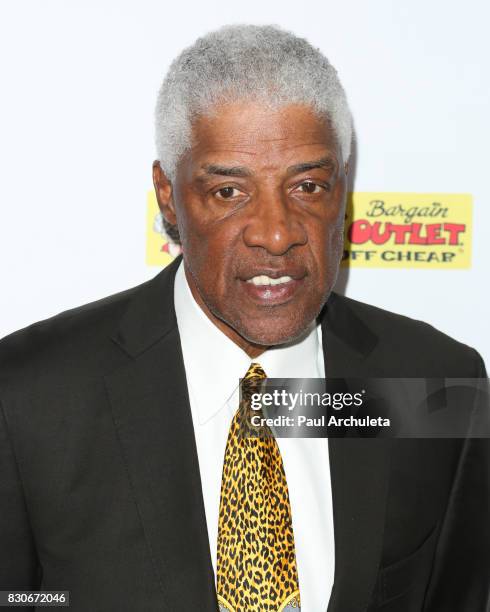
[(256, 564)]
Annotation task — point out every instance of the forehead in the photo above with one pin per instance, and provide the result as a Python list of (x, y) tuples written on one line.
[(251, 134)]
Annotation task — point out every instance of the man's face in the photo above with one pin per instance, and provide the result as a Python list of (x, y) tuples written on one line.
[(259, 200)]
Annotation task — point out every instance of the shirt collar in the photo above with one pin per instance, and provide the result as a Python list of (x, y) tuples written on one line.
[(214, 363)]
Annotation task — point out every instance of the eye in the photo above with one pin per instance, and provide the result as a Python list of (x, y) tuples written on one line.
[(310, 187), (227, 193)]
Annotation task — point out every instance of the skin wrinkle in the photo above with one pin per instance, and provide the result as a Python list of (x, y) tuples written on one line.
[(271, 221)]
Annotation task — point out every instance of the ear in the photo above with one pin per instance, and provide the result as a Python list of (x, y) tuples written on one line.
[(163, 191)]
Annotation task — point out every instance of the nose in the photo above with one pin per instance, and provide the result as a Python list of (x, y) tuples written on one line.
[(274, 225)]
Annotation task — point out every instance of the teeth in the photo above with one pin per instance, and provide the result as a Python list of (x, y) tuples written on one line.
[(267, 280)]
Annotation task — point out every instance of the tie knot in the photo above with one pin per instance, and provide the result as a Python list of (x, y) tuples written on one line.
[(252, 380), (254, 372)]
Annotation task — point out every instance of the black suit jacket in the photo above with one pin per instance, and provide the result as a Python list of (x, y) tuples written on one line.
[(100, 489)]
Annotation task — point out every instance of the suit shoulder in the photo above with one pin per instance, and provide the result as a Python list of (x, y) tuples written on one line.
[(402, 337), (59, 339), (384, 323)]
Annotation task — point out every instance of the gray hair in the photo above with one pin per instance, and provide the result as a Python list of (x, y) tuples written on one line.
[(245, 62)]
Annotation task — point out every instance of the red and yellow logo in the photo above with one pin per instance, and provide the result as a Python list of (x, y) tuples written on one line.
[(408, 230)]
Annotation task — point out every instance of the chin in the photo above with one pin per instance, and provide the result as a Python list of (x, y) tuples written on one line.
[(275, 334)]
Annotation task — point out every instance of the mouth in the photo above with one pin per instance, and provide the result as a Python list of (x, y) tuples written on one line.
[(272, 288), (263, 280)]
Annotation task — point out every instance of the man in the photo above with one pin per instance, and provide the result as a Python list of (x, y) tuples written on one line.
[(122, 478)]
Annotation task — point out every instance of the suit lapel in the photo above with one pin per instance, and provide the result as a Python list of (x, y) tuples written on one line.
[(151, 412), (359, 469)]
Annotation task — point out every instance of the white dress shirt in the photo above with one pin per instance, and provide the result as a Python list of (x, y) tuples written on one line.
[(213, 366)]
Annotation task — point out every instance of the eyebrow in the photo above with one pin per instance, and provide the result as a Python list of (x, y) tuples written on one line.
[(227, 170), (242, 171), (323, 162)]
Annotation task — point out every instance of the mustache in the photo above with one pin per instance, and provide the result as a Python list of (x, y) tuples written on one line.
[(274, 267)]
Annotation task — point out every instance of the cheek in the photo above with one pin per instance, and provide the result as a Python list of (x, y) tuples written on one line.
[(189, 223), (194, 237), (335, 223), (326, 239), (325, 236), (210, 254), (201, 230), (335, 248), (336, 237)]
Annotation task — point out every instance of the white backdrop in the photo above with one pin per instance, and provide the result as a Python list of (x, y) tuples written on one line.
[(79, 80)]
